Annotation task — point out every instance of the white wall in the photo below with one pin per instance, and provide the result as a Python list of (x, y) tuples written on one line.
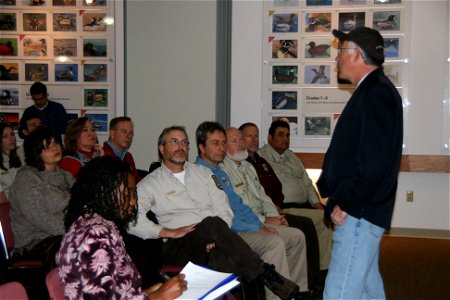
[(424, 118), (170, 67)]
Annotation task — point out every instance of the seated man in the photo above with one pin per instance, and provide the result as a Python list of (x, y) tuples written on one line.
[(194, 217), (246, 184), (121, 134), (299, 193), (281, 246)]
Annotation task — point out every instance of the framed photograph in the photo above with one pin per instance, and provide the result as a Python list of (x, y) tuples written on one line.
[(8, 22), (95, 3), (64, 2), (35, 46), (10, 117), (65, 47), (318, 22), (284, 49), (292, 121), (95, 48), (65, 22), (96, 97), (9, 96), (94, 22), (36, 72), (351, 20), (285, 74), (100, 121), (71, 116), (95, 72), (8, 2), (386, 20), (393, 72), (317, 126), (353, 2), (392, 47), (34, 2), (319, 2), (317, 48), (317, 74), (8, 46), (387, 1), (284, 99), (285, 22), (66, 72), (9, 71), (34, 22)]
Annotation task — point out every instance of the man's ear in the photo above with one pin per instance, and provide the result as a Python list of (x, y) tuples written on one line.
[(202, 149), (160, 149), (24, 132), (269, 138)]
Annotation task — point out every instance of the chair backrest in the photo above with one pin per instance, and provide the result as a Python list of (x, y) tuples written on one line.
[(6, 224), (54, 285), (13, 290)]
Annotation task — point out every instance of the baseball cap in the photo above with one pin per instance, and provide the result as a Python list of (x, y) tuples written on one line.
[(368, 39)]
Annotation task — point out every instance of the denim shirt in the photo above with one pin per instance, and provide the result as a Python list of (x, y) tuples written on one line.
[(244, 217)]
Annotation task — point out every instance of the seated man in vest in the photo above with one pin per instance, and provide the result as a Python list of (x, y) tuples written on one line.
[(300, 195), (245, 182), (194, 218), (121, 134)]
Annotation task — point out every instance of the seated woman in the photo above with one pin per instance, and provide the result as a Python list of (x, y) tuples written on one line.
[(38, 196), (80, 145), (92, 260), (9, 160)]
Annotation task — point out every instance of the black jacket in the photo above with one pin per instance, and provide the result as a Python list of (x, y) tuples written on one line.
[(361, 165)]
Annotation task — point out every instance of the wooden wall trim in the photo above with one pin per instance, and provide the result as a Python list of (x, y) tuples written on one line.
[(410, 163)]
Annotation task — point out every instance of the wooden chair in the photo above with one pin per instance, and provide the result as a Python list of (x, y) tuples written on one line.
[(13, 290)]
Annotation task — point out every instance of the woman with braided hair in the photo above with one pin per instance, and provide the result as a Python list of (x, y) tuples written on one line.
[(93, 262)]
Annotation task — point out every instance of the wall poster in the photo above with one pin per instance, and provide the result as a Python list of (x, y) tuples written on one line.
[(300, 82), (69, 45)]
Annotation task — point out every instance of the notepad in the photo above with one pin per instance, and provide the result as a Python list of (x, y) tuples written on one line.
[(206, 284)]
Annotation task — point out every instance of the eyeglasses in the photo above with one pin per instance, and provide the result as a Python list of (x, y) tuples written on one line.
[(341, 49), (175, 142)]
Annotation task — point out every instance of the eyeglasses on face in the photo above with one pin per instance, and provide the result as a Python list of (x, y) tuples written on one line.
[(176, 142)]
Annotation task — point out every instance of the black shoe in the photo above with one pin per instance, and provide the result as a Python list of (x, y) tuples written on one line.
[(280, 286), (309, 295)]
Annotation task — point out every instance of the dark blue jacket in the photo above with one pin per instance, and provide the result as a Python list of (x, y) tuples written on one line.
[(53, 116), (361, 165)]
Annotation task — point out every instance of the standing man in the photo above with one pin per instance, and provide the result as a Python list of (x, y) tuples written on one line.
[(52, 114), (300, 196), (361, 167), (194, 216), (121, 133), (281, 246)]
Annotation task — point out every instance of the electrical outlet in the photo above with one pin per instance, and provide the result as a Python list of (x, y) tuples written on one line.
[(409, 196)]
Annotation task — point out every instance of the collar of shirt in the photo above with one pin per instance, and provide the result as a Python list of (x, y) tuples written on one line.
[(275, 155), (119, 154)]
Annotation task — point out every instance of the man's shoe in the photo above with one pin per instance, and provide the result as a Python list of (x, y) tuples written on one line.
[(280, 286)]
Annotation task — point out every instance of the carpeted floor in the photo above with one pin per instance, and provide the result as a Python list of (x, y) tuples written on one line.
[(415, 268)]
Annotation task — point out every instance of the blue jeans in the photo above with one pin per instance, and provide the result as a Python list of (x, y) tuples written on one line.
[(353, 272)]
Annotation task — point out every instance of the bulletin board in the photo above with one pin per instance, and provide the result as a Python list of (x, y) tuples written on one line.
[(69, 45), (300, 83)]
